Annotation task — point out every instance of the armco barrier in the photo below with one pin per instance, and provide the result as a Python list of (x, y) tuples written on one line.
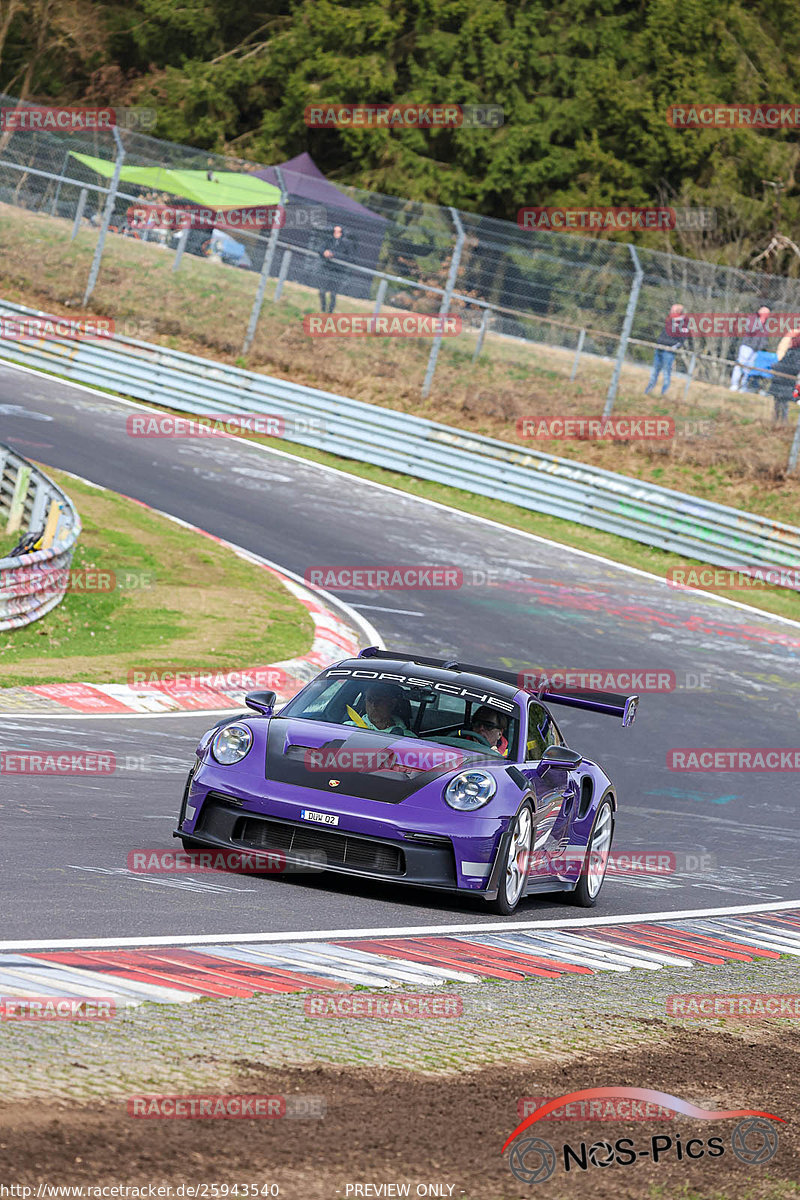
[(32, 584), (644, 512)]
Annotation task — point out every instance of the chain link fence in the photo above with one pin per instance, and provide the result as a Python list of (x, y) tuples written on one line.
[(572, 293)]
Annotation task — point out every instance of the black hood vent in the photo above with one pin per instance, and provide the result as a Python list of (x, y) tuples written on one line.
[(369, 765)]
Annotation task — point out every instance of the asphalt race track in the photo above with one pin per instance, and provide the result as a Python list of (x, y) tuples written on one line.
[(65, 841)]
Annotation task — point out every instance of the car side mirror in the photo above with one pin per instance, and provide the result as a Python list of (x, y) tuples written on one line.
[(559, 756), (261, 702)]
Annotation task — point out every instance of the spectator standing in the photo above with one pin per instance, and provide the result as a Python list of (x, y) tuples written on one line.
[(673, 335), (788, 364), (748, 348), (334, 253)]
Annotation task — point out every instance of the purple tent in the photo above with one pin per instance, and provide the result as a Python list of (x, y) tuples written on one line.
[(313, 208), (305, 181)]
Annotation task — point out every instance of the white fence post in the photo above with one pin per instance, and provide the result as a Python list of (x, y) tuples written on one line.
[(449, 288), (108, 210), (577, 359), (626, 332), (265, 270)]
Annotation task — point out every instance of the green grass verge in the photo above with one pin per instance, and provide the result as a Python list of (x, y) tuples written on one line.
[(181, 602)]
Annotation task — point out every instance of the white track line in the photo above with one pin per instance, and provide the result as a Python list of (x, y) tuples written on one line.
[(216, 939), (350, 475)]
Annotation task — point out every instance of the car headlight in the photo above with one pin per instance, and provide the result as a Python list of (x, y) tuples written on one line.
[(470, 789), (231, 744)]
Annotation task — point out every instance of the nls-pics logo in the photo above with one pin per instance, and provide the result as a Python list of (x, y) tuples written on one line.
[(533, 1160)]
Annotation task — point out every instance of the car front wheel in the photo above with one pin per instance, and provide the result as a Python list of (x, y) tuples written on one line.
[(514, 867)]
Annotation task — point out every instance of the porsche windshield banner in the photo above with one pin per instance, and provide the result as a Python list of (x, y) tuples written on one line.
[(449, 689)]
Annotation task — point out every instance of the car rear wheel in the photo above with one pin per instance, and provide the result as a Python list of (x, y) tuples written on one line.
[(593, 871), (514, 867)]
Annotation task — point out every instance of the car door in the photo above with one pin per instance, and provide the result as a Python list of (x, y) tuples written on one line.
[(555, 793)]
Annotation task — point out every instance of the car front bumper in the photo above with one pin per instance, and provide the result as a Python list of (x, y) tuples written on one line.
[(421, 858)]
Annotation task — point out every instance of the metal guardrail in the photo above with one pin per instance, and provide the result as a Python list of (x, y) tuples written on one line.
[(654, 516), (33, 584)]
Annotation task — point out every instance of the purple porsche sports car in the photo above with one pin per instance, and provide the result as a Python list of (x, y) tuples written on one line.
[(411, 770)]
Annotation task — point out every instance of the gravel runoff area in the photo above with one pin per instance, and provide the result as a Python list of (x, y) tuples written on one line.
[(426, 1103)]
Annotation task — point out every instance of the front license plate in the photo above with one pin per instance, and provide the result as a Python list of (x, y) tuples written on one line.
[(321, 818)]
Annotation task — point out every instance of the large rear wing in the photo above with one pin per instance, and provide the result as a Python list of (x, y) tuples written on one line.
[(611, 704)]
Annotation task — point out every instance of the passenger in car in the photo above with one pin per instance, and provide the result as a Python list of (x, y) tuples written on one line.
[(384, 704)]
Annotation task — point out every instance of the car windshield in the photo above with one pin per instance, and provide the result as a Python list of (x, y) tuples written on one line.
[(478, 722)]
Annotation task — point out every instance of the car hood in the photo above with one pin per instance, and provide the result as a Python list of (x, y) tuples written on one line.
[(368, 765)]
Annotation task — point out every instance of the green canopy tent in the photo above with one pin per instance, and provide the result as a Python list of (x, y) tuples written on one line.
[(226, 189)]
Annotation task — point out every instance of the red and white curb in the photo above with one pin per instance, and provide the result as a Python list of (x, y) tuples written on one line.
[(335, 637), (178, 973)]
